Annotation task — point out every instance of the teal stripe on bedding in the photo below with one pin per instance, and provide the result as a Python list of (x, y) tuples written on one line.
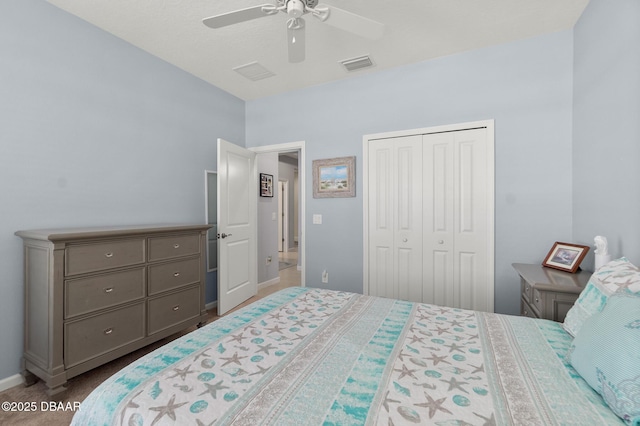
[(560, 341), (353, 403), (126, 380)]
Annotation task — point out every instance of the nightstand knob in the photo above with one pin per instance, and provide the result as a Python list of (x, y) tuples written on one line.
[(440, 241), (537, 300)]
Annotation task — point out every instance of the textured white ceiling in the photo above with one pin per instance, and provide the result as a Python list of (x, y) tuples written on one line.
[(416, 30)]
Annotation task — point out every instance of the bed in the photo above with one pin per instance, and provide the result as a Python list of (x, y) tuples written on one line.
[(312, 356)]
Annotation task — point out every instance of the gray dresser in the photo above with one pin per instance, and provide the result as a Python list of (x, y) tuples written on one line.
[(95, 294), (548, 293)]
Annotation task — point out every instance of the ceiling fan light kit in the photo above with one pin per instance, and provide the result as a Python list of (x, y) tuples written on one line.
[(295, 9)]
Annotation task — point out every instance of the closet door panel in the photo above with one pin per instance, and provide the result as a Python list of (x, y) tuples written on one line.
[(381, 227), (408, 217), (470, 217)]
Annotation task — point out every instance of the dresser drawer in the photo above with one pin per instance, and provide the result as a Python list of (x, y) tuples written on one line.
[(99, 256), (161, 248), (167, 276), (85, 295), (173, 308), (94, 336)]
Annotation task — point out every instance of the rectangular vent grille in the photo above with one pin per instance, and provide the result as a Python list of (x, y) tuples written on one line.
[(253, 71), (359, 63)]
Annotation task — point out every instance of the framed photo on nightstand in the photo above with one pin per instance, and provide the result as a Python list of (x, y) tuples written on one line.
[(565, 256)]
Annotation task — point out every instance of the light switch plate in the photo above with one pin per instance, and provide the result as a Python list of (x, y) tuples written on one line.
[(317, 219)]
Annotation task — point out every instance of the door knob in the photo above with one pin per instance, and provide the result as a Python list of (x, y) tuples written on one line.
[(223, 235)]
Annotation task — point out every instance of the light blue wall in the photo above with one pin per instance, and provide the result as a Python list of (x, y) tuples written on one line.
[(526, 86), (606, 127), (94, 131)]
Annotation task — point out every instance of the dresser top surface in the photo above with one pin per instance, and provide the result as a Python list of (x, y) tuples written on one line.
[(61, 234), (551, 279)]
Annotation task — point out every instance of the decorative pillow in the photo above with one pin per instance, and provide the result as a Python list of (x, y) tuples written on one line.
[(616, 276), (606, 353)]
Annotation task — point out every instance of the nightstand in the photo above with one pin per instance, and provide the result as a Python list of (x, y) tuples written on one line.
[(548, 293)]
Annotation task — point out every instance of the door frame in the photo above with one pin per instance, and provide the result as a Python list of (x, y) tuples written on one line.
[(490, 168), (283, 213), (300, 147)]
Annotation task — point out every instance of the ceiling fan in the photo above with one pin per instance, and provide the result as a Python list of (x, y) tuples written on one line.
[(295, 9)]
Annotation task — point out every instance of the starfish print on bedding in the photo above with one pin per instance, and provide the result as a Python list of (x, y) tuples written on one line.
[(405, 372), (235, 359), (386, 401), (488, 421), (202, 354), (130, 404), (213, 389), (238, 337), (455, 323), (455, 384), (453, 347), (433, 405), (477, 369), (168, 410), (261, 370), (442, 330), (415, 338), (438, 359), (275, 329), (182, 373), (266, 348)]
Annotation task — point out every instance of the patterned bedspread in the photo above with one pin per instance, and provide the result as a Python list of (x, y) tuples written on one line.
[(308, 357)]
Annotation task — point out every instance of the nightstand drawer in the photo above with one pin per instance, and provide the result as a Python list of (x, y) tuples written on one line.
[(97, 335), (84, 295), (526, 311), (161, 248), (167, 276), (172, 309), (526, 289), (93, 257)]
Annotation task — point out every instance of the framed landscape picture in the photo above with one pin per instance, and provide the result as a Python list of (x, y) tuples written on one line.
[(565, 256), (334, 177)]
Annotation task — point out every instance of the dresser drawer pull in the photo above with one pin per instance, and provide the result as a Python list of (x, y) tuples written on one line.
[(175, 308), (176, 274), (108, 331), (537, 300), (176, 246), (108, 290), (110, 254), (526, 313)]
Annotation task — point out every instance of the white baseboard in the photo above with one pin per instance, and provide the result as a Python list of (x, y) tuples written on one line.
[(268, 283), (11, 382), (211, 305)]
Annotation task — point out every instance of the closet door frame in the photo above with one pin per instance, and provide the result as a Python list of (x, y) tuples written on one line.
[(490, 192)]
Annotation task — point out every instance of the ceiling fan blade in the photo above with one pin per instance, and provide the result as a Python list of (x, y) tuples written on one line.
[(296, 40), (356, 24), (236, 16)]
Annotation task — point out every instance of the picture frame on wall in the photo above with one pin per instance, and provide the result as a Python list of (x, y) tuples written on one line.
[(266, 185), (565, 256), (334, 177)]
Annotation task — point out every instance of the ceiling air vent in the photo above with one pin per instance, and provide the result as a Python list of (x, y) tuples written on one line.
[(358, 63), (253, 71)]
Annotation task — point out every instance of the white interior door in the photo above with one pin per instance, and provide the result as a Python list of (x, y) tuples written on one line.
[(237, 225)]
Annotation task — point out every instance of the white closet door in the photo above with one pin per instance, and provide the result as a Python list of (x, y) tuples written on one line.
[(455, 234), (429, 215), (395, 218)]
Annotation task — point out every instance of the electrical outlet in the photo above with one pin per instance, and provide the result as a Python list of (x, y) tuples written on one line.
[(268, 260), (325, 276)]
